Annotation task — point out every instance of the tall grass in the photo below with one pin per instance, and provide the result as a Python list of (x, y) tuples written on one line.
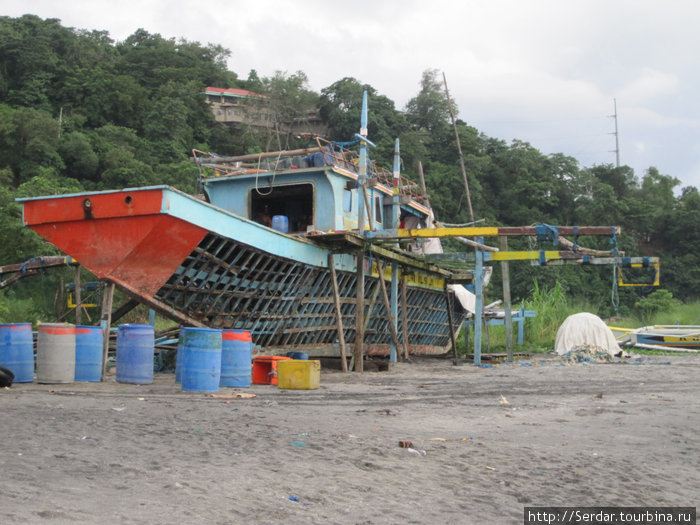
[(681, 314), (551, 307)]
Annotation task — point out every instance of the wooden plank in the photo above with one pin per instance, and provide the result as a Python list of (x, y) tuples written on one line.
[(78, 296), (387, 305), (106, 323), (159, 306), (489, 231), (505, 270), (358, 352), (338, 313), (404, 315), (451, 322)]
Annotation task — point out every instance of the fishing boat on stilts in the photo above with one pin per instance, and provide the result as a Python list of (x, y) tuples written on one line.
[(277, 245)]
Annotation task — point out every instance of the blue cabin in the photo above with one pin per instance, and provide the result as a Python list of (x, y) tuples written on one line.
[(296, 193)]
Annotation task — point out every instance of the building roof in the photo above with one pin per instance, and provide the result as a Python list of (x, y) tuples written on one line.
[(233, 92)]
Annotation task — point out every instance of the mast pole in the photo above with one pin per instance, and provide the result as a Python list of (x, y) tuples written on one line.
[(358, 351), (394, 266), (459, 150), (362, 168)]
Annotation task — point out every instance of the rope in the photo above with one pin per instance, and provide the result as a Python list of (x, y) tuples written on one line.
[(257, 175), (464, 225), (614, 294)]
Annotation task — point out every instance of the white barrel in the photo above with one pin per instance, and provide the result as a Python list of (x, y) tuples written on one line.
[(55, 353)]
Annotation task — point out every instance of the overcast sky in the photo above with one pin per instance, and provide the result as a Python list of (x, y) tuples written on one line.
[(541, 71)]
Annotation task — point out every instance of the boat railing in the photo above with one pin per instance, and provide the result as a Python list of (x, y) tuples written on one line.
[(335, 154), (326, 153), (407, 188)]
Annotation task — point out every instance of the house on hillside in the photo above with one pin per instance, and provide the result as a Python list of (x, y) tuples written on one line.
[(234, 106)]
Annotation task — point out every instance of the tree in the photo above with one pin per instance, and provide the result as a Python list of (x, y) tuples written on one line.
[(30, 60), (429, 109), (341, 109), (28, 140), (78, 156)]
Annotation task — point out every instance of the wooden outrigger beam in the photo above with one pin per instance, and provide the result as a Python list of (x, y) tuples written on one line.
[(353, 242), (489, 231), (32, 267), (256, 156)]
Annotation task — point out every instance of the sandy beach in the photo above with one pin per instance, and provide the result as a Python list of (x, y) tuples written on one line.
[(486, 442)]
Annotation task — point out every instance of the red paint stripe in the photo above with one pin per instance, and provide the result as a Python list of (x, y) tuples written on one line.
[(19, 327), (57, 330), (83, 331), (93, 206), (230, 335)]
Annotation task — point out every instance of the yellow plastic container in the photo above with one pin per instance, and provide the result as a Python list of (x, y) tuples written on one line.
[(299, 374)]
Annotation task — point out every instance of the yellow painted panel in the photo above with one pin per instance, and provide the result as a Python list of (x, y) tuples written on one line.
[(523, 256), (451, 232)]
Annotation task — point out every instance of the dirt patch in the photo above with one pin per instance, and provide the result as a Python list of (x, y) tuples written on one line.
[(495, 440)]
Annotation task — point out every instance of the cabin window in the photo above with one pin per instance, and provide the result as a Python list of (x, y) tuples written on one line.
[(347, 200), (378, 209), (294, 201)]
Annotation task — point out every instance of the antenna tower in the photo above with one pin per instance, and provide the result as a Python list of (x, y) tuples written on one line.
[(617, 141)]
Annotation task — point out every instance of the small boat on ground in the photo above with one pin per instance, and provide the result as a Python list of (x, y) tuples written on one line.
[(674, 336)]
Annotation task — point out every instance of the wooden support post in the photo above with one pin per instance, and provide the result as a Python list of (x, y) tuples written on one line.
[(372, 304), (387, 305), (404, 316), (422, 184), (451, 322), (338, 314), (78, 295), (394, 308), (479, 314), (467, 334), (507, 307), (106, 322), (358, 351)]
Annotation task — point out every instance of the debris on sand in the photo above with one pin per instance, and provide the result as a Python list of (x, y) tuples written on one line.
[(587, 354)]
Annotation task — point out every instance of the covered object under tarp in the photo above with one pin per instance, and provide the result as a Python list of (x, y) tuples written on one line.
[(585, 329)]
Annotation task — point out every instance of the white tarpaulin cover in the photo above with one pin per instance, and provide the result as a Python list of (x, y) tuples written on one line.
[(585, 329)]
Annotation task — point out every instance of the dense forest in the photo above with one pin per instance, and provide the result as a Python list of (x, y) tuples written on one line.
[(79, 111)]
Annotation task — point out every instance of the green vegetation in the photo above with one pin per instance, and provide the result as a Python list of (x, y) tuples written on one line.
[(553, 306), (79, 111)]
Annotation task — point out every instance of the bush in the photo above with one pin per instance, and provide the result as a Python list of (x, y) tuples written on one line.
[(658, 301)]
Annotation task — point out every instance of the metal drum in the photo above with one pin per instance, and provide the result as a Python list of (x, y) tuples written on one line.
[(88, 353), (55, 353), (236, 358), (200, 363), (17, 351), (135, 353)]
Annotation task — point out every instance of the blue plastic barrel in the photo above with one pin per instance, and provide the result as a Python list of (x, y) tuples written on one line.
[(17, 351), (180, 353), (236, 358), (88, 353), (200, 363), (300, 356), (135, 353), (280, 223)]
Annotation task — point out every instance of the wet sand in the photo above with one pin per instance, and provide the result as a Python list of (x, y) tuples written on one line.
[(494, 439)]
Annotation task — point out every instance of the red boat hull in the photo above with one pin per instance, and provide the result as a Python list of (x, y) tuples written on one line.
[(117, 236)]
